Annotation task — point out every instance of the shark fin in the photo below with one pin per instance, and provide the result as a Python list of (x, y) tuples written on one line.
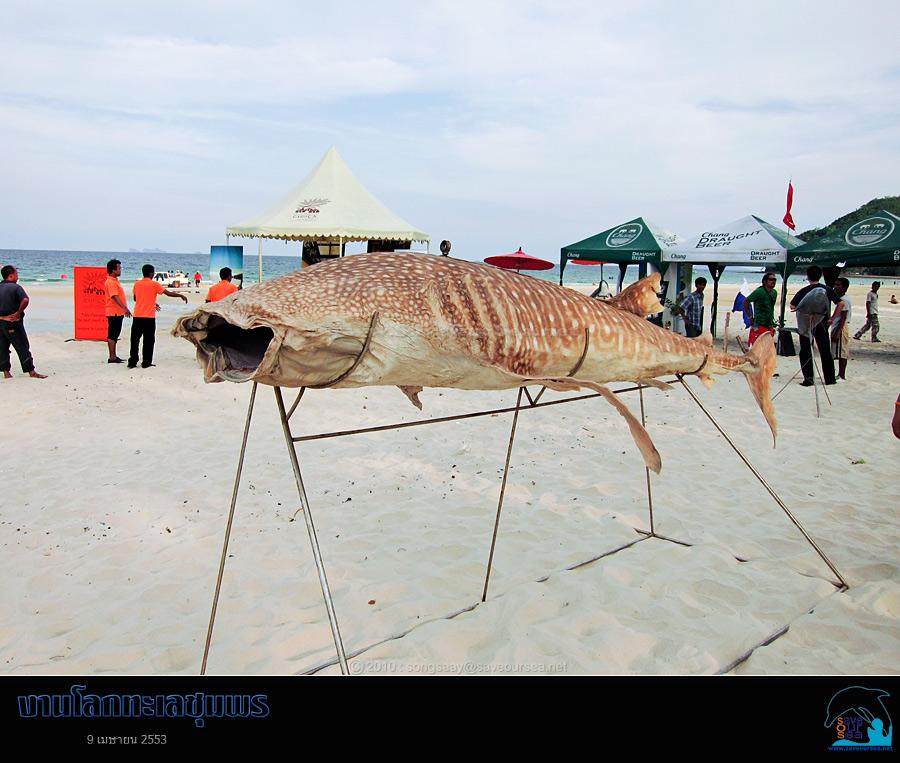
[(641, 438), (413, 394), (654, 383), (640, 298), (762, 361)]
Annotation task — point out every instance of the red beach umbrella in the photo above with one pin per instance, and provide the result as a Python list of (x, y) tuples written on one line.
[(518, 261), (601, 263)]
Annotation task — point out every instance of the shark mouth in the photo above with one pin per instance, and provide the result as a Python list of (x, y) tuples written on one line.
[(227, 352)]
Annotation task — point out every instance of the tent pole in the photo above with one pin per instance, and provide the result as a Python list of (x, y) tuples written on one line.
[(784, 279), (623, 267), (716, 274), (259, 255), (512, 435), (311, 530)]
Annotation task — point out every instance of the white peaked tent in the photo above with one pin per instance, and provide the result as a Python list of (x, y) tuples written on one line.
[(329, 206), (748, 241)]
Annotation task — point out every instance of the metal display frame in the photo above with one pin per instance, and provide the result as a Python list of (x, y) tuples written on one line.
[(533, 402)]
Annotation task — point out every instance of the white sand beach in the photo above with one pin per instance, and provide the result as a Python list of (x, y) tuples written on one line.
[(117, 483)]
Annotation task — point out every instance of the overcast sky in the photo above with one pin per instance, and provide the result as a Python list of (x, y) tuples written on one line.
[(493, 124)]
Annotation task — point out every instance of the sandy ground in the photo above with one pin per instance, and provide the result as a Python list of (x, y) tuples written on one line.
[(117, 483)]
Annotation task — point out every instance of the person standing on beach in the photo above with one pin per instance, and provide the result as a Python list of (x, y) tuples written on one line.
[(223, 288), (871, 313), (763, 299), (197, 279), (116, 308), (13, 301), (840, 327), (143, 326), (692, 309), (817, 329)]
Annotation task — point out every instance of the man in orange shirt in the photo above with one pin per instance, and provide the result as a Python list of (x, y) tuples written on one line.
[(116, 308), (144, 324), (223, 288)]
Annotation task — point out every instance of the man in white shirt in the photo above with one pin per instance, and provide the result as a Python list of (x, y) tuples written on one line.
[(871, 313)]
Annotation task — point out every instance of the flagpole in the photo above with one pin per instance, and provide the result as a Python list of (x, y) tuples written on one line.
[(788, 220)]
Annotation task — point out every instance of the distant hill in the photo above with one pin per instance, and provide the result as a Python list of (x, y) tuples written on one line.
[(888, 203)]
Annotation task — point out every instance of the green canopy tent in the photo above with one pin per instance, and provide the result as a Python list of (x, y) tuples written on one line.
[(874, 240), (636, 242)]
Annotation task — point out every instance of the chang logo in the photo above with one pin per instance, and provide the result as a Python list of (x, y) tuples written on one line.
[(871, 231), (858, 718), (308, 208), (624, 234)]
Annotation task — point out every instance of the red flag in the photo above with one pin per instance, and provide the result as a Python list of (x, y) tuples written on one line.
[(788, 220)]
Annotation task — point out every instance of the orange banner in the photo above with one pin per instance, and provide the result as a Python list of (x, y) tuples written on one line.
[(90, 303)]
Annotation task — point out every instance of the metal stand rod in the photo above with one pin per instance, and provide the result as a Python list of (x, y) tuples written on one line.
[(512, 435), (822, 379), (786, 384), (234, 493), (296, 403), (648, 534), (843, 583), (460, 417), (646, 469), (311, 529)]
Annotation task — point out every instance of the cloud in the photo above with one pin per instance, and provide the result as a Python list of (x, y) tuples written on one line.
[(557, 117)]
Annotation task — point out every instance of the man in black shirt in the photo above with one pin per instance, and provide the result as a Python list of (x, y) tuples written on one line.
[(819, 331), (13, 301)]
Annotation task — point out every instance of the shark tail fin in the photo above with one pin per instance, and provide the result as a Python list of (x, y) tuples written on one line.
[(762, 361)]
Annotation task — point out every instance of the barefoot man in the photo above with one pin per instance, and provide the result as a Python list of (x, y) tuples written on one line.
[(13, 301)]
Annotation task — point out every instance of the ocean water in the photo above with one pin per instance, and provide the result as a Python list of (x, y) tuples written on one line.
[(36, 266)]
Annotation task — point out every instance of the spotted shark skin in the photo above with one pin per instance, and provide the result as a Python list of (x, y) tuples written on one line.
[(416, 321)]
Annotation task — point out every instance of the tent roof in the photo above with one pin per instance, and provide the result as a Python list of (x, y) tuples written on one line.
[(874, 240), (747, 241), (329, 203), (634, 241)]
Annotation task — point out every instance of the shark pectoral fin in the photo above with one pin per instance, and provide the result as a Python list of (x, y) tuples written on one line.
[(641, 438), (639, 434), (707, 380), (557, 385), (413, 394), (654, 383)]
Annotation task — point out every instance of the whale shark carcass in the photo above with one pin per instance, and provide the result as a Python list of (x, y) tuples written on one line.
[(416, 321)]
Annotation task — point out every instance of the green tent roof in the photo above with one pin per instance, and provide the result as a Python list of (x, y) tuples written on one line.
[(874, 240), (633, 242)]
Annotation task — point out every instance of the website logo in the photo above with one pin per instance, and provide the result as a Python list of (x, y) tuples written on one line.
[(859, 718), (624, 234), (871, 231)]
